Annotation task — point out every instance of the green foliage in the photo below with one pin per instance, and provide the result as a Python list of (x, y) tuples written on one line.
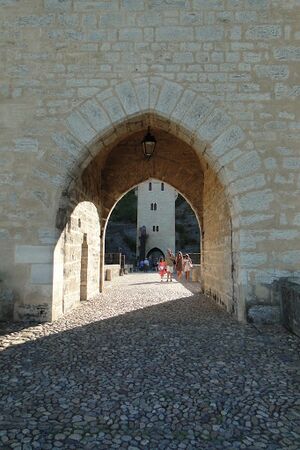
[(126, 209)]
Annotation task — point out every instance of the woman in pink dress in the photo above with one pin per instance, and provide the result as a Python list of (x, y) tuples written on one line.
[(162, 268)]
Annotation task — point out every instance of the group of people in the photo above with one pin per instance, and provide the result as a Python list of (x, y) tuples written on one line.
[(181, 263)]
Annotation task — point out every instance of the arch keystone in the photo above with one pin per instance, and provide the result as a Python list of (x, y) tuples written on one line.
[(128, 98)]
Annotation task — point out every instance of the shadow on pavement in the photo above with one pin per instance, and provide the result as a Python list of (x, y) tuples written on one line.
[(178, 372)]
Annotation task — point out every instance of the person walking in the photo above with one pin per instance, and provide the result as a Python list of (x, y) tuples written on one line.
[(187, 266), (146, 264), (179, 265), (170, 259), (162, 268)]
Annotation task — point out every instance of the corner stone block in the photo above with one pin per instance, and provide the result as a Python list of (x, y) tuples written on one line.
[(95, 115), (168, 98), (128, 97), (33, 254), (142, 92), (80, 128)]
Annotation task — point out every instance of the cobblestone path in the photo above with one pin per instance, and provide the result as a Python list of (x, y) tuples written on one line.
[(149, 365)]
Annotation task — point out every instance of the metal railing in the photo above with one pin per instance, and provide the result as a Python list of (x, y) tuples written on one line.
[(195, 257), (113, 258)]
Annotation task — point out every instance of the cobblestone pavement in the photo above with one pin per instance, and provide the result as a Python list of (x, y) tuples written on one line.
[(149, 365)]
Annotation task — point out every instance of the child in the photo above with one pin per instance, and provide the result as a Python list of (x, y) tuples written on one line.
[(162, 268)]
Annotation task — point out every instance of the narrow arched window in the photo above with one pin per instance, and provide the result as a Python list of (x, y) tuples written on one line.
[(162, 186), (153, 228), (155, 206), (157, 228), (150, 186), (151, 207)]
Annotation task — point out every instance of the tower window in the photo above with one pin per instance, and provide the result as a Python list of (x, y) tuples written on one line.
[(162, 186), (157, 228), (155, 206), (151, 207), (153, 228), (150, 186)]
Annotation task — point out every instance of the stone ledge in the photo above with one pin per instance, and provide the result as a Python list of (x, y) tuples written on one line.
[(264, 314)]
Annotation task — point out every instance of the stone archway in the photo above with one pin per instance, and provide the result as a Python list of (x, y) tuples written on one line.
[(177, 164), (155, 250), (225, 154), (107, 121)]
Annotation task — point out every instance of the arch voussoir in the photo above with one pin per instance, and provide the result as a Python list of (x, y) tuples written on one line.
[(128, 98)]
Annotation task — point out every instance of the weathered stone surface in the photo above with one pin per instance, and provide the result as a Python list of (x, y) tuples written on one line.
[(95, 115), (264, 314), (149, 365), (33, 254), (42, 273), (79, 77), (128, 97), (80, 128), (168, 97)]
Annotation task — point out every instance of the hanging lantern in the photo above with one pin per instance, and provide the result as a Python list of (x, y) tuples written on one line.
[(148, 144)]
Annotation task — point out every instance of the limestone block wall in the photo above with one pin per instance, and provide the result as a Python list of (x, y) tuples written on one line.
[(217, 251), (80, 249), (76, 76)]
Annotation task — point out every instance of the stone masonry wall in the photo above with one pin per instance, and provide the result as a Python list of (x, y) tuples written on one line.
[(163, 216), (217, 246), (83, 225), (234, 63)]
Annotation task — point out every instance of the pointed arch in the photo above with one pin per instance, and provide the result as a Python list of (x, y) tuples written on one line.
[(224, 151)]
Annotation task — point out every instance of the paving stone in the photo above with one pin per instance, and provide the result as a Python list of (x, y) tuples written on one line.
[(148, 365)]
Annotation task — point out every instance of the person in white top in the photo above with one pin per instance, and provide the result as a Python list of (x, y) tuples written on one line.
[(187, 266)]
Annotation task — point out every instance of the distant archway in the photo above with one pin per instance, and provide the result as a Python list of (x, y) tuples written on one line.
[(155, 253)]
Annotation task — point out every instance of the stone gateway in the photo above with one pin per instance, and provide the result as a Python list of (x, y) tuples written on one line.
[(81, 82)]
